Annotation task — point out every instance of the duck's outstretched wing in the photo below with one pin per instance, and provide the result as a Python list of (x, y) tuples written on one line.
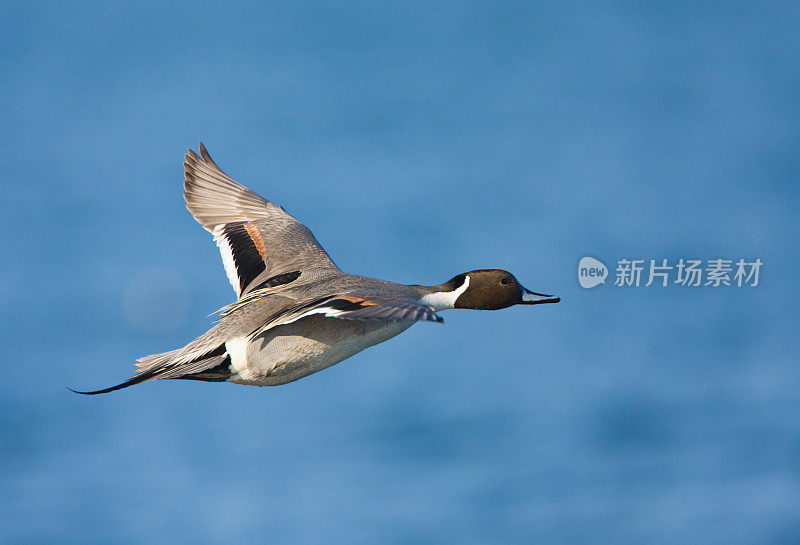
[(259, 241)]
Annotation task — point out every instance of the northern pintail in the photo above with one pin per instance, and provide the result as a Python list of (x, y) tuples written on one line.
[(296, 313)]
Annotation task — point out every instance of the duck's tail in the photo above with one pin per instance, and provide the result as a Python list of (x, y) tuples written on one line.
[(211, 366)]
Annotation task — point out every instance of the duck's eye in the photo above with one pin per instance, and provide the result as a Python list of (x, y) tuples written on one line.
[(504, 280)]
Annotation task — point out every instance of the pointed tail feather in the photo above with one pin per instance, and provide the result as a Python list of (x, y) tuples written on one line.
[(157, 366), (130, 382)]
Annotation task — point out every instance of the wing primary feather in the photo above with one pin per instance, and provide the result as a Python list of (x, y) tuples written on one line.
[(207, 158)]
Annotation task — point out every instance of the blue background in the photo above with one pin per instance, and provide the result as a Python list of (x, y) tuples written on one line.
[(417, 141)]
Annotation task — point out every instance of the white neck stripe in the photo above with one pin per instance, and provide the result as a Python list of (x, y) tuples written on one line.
[(443, 300)]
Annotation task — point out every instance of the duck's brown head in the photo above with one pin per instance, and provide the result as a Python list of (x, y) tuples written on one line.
[(485, 289)]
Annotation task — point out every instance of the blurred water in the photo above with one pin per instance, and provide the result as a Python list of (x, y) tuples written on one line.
[(417, 141)]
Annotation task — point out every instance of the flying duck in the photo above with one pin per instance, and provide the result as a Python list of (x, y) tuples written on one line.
[(296, 313)]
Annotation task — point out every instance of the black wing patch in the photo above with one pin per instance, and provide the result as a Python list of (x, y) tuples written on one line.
[(243, 253), (278, 280)]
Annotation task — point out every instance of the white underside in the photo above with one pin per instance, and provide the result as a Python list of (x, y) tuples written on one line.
[(292, 351), (237, 350)]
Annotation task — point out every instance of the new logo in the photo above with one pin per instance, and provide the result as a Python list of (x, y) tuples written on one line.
[(591, 272)]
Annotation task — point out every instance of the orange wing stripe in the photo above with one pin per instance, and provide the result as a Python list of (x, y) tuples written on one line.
[(361, 300), (255, 235)]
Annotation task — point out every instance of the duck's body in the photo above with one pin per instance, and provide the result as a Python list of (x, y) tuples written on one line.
[(290, 352), (287, 352), (297, 313)]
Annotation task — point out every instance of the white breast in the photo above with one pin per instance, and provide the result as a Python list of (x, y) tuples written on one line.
[(443, 300)]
